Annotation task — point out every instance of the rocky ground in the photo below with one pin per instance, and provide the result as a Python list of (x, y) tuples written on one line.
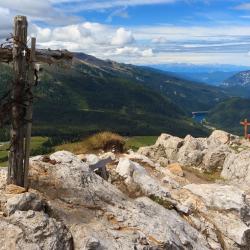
[(157, 198)]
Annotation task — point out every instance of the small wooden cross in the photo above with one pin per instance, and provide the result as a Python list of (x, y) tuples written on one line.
[(24, 60), (245, 124)]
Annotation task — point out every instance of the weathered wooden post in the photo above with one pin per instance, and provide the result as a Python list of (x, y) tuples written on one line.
[(22, 96), (29, 107), (16, 163)]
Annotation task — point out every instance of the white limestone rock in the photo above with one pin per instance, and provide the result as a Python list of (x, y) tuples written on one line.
[(236, 168), (191, 153), (23, 202), (91, 159), (232, 227), (166, 146), (226, 208), (134, 172), (144, 159), (33, 230), (214, 157), (219, 137), (222, 197), (121, 222)]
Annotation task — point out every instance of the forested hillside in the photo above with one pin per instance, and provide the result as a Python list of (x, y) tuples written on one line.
[(228, 114), (94, 95)]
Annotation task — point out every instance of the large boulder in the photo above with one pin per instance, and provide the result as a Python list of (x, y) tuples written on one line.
[(219, 137), (222, 137), (166, 146), (135, 173), (236, 168), (33, 230), (23, 202), (214, 157), (192, 152), (171, 145), (222, 197)]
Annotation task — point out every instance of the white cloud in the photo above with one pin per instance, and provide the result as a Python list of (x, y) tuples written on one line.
[(79, 37), (134, 51), (4, 11), (159, 40), (156, 43), (43, 35), (147, 53), (36, 10), (243, 6), (123, 37)]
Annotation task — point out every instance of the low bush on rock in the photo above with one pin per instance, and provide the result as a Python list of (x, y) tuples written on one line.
[(105, 141), (165, 203)]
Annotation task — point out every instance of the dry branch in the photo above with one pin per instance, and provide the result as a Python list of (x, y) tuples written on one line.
[(42, 55)]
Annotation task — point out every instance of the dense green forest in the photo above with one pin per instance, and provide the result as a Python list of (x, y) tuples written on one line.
[(228, 114)]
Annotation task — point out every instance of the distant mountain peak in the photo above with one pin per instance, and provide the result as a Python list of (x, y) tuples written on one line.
[(240, 79)]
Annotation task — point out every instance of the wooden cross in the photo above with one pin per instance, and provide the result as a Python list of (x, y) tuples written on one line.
[(24, 60), (245, 124)]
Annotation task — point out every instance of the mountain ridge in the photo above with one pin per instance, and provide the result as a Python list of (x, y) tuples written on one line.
[(93, 95)]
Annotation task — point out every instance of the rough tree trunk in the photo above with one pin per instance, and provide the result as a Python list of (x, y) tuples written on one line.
[(16, 160)]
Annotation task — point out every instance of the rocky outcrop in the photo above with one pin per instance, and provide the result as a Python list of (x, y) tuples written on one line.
[(236, 168), (192, 152), (222, 137), (114, 220), (24, 224), (221, 211), (223, 197), (214, 158), (207, 154), (150, 199), (166, 147)]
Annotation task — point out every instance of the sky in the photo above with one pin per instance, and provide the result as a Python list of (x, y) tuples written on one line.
[(139, 31)]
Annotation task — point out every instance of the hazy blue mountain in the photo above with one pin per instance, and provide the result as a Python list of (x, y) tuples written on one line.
[(238, 84), (210, 74), (240, 79)]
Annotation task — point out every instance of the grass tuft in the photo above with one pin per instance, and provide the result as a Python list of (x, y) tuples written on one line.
[(165, 203), (106, 141), (207, 176), (136, 142)]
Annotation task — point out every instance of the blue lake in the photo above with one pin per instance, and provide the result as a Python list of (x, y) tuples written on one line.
[(199, 117)]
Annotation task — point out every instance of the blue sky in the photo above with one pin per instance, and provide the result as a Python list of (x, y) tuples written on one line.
[(140, 31)]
